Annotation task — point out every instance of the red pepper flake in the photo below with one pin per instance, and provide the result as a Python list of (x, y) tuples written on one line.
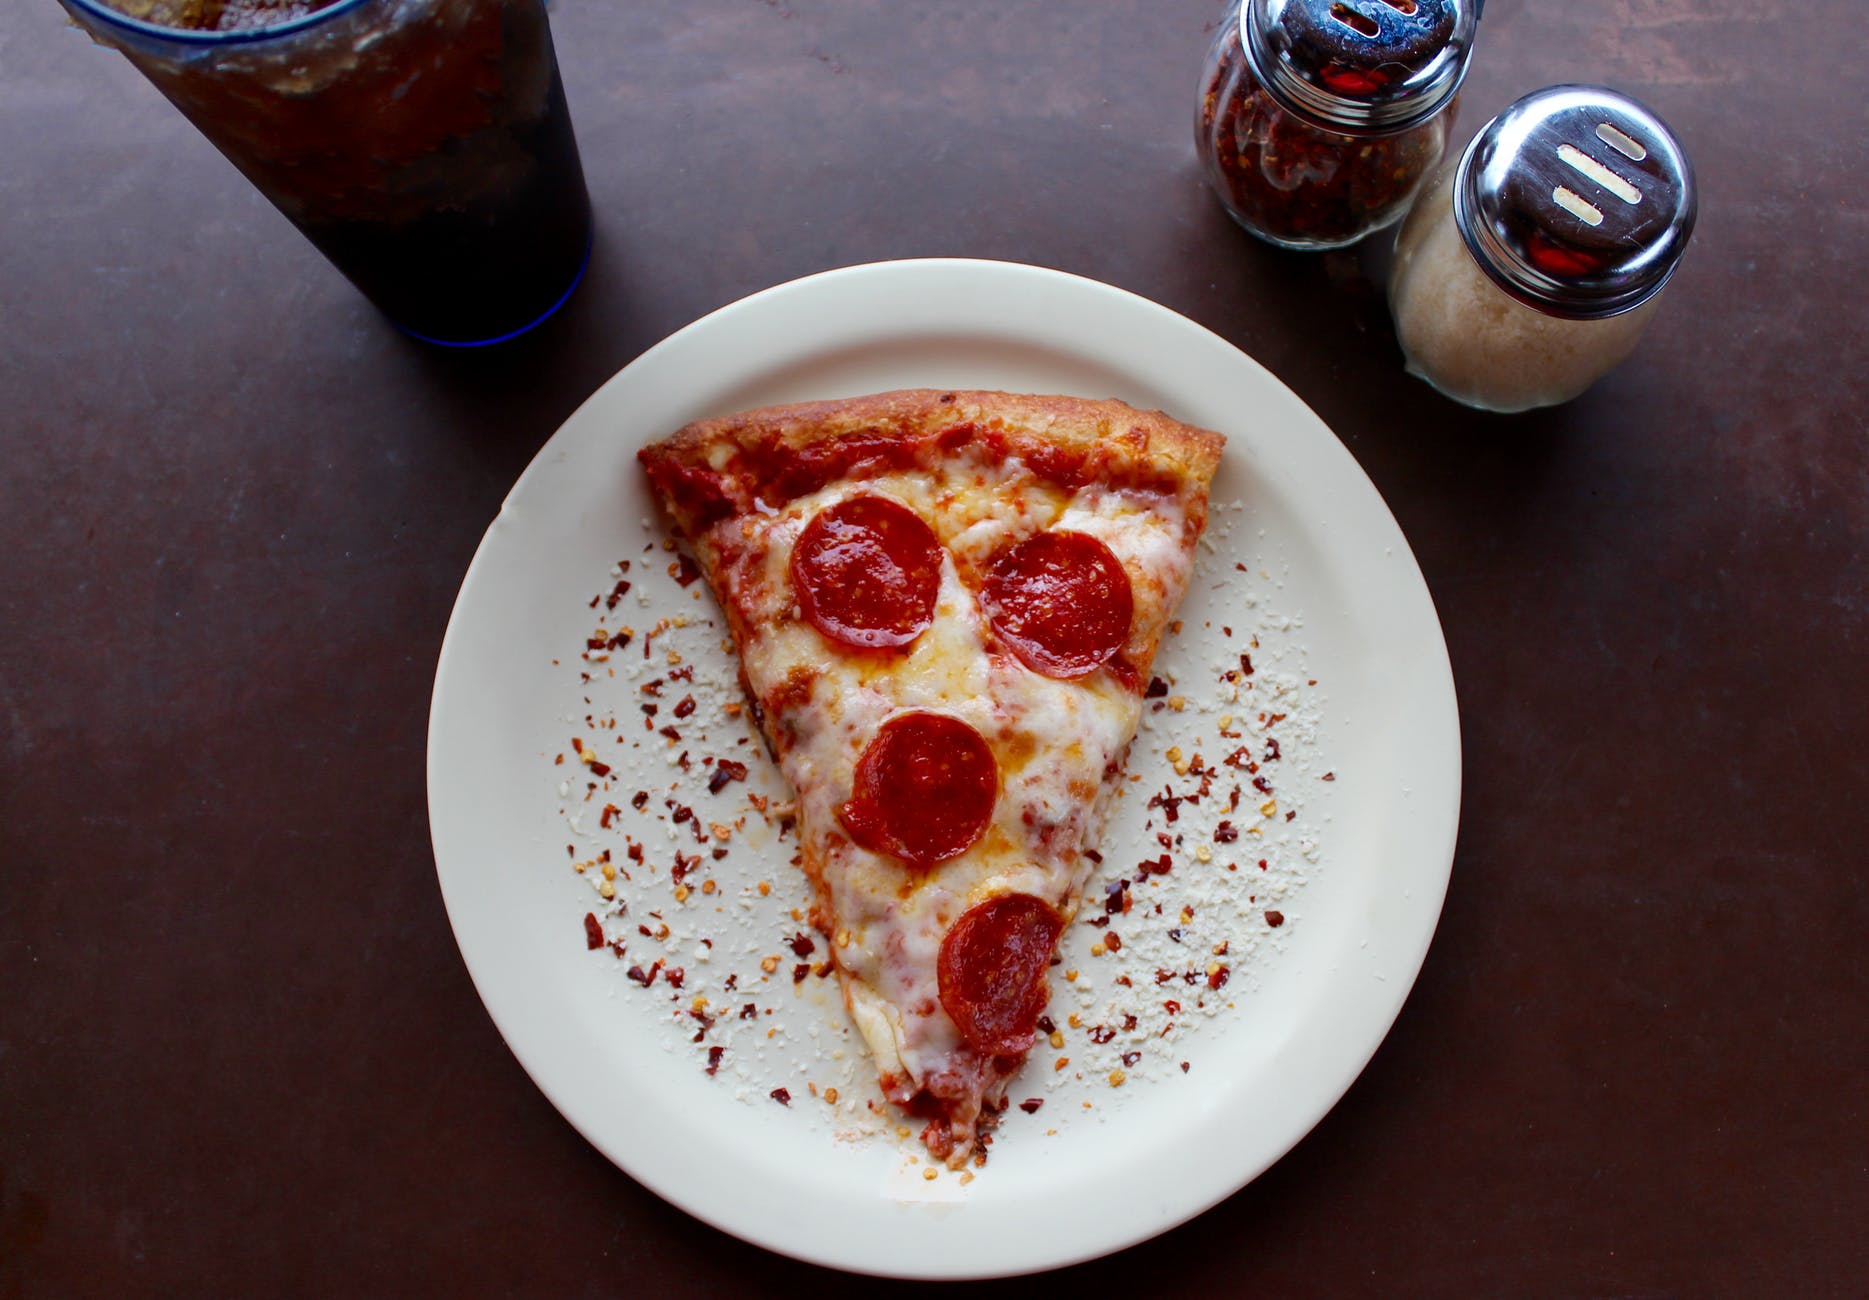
[(781, 1096), (674, 975), (610, 811), (1168, 802), (638, 799), (1225, 833), (1047, 1026), (1262, 785), (801, 945), (713, 1059), (1113, 941), (800, 971), (1160, 867), (674, 736), (1102, 1034), (1246, 665), (1129, 1022), (644, 977), (1218, 978), (1328, 776), (1172, 1007), (598, 769), (616, 593), (1130, 1059), (749, 1012), (685, 707), (1031, 1105), (1116, 897), (1184, 1067), (593, 931), (1274, 919), (1271, 749), (651, 687), (684, 571), (725, 770), (1156, 690)]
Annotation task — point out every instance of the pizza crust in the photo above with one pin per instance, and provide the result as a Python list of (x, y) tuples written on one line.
[(1120, 441), (1077, 422)]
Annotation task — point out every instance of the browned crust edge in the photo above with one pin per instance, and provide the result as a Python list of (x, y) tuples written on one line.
[(1149, 438)]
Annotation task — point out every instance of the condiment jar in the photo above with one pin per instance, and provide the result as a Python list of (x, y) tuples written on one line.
[(1531, 266), (1319, 120)]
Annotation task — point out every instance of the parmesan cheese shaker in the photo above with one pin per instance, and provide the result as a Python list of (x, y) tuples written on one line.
[(1531, 266), (1318, 120)]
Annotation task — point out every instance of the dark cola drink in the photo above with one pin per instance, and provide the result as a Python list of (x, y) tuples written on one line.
[(424, 146)]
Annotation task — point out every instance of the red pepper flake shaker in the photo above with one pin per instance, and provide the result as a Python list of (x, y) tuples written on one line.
[(1318, 120)]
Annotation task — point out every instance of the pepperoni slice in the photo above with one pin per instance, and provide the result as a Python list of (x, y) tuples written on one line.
[(924, 789), (866, 572), (992, 971), (1061, 600)]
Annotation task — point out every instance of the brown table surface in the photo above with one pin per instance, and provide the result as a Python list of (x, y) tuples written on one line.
[(239, 1052)]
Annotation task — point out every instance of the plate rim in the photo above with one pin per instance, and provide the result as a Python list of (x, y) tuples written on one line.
[(1041, 1254)]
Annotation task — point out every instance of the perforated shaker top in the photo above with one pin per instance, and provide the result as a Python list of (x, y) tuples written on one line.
[(1576, 200), (1360, 66)]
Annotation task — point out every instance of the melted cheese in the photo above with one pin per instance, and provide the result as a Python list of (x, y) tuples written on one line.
[(1059, 744)]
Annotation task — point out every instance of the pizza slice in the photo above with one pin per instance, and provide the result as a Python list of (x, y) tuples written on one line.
[(946, 605)]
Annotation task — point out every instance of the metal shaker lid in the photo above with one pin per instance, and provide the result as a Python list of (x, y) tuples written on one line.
[(1360, 66), (1576, 200)]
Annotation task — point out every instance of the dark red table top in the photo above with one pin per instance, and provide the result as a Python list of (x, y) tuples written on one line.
[(239, 1053)]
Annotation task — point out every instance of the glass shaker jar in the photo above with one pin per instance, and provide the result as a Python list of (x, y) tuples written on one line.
[(1530, 268), (1318, 120)]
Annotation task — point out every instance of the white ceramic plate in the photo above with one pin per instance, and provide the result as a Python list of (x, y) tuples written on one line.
[(1318, 1007)]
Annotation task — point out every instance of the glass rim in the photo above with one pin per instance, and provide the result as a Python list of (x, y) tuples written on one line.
[(123, 22)]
